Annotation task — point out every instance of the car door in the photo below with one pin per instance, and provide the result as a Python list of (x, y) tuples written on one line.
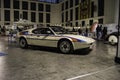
[(34, 38), (43, 37)]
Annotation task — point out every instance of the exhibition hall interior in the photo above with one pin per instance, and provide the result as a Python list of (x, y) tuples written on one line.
[(59, 39)]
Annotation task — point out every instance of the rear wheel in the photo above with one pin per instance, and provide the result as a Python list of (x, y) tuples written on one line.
[(65, 47), (23, 43), (112, 39)]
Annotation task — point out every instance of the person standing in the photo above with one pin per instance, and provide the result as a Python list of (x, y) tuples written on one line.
[(104, 33), (3, 30), (97, 31), (86, 31), (80, 31), (100, 32), (93, 29)]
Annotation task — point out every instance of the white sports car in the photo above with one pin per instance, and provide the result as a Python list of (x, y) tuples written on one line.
[(53, 37)]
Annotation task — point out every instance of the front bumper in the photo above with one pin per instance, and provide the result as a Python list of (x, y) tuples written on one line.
[(78, 45)]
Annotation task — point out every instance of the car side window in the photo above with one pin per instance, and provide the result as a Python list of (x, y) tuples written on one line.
[(42, 31), (46, 31), (36, 31)]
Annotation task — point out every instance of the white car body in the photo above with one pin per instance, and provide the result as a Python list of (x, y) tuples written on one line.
[(111, 28), (112, 33), (53, 40)]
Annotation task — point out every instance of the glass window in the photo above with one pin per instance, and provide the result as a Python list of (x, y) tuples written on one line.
[(91, 22), (33, 16), (40, 7), (76, 13), (42, 31), (25, 15), (40, 17), (21, 16), (46, 31), (0, 3), (62, 17), (7, 15), (66, 16), (47, 18), (6, 23), (83, 23), (82, 1), (76, 2), (33, 6), (62, 6), (71, 15), (76, 24), (16, 15), (48, 7), (92, 9), (25, 5), (66, 5), (48, 25), (100, 21), (71, 3), (6, 3), (16, 4), (36, 31), (100, 7), (71, 24)]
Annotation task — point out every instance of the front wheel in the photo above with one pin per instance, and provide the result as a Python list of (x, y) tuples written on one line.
[(65, 47), (23, 43), (112, 39)]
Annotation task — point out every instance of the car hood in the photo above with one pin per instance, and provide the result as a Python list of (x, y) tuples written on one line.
[(79, 37)]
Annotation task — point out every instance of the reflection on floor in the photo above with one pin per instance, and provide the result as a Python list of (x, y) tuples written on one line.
[(40, 63)]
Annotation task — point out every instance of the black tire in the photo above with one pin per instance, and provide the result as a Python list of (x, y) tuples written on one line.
[(65, 47), (23, 43)]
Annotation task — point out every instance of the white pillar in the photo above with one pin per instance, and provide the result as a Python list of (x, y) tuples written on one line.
[(116, 11), (117, 57), (2, 12)]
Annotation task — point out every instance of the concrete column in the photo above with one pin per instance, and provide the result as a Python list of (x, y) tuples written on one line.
[(2, 12), (111, 11), (21, 12), (96, 11), (117, 57), (116, 11), (29, 12), (37, 16), (11, 12), (55, 14)]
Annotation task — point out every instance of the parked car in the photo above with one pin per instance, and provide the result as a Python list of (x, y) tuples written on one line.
[(112, 33), (53, 37), (113, 38)]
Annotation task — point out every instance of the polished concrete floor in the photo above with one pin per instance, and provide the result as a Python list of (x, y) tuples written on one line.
[(41, 63)]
